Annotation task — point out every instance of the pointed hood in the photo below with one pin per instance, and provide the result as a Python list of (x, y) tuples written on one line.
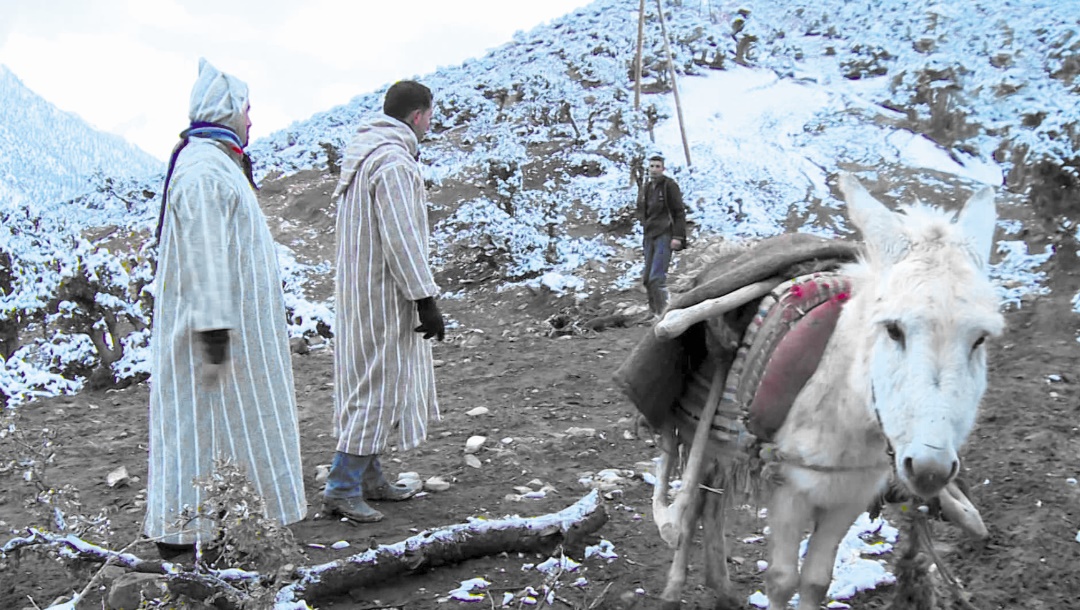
[(376, 132), (218, 98)]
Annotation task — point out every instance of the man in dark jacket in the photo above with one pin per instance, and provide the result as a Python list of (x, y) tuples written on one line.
[(663, 222)]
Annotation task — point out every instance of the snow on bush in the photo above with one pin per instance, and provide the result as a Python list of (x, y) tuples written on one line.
[(778, 98), (38, 368), (305, 318), (1015, 274), (72, 308)]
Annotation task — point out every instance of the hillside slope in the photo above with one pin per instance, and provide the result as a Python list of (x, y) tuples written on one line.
[(534, 150), (48, 155)]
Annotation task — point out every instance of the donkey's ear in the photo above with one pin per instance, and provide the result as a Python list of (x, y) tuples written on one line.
[(978, 220), (880, 227)]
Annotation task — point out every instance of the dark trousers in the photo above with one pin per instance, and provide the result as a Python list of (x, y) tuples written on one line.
[(654, 276)]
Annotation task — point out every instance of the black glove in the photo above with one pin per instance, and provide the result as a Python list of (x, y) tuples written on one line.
[(216, 344), (431, 322)]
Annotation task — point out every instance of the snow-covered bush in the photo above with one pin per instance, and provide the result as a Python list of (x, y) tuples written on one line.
[(48, 367), (304, 317), (101, 297)]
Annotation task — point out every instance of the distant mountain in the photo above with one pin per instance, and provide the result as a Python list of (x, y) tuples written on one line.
[(984, 78), (48, 155)]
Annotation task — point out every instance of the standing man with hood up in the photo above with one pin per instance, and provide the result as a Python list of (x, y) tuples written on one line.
[(384, 385), (222, 382)]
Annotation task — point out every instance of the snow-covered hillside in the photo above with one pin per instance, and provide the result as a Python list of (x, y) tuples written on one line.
[(778, 97), (534, 144), (48, 155), (981, 77)]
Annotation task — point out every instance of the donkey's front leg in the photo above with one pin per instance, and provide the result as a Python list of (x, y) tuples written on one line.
[(713, 520), (715, 541), (829, 529), (788, 516)]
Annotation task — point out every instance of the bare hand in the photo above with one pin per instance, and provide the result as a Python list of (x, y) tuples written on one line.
[(676, 245)]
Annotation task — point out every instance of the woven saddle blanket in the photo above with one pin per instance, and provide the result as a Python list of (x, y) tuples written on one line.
[(782, 348), (657, 373)]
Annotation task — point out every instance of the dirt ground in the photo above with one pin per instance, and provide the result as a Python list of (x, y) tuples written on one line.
[(1022, 460), (543, 395)]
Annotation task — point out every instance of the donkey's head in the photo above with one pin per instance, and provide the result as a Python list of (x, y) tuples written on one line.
[(928, 306)]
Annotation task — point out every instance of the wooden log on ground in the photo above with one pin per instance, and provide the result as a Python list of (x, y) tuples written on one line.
[(568, 528), (616, 320)]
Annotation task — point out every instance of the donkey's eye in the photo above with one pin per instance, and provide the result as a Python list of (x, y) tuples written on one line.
[(895, 333), (978, 342)]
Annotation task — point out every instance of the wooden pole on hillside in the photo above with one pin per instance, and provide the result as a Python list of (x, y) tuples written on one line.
[(674, 83), (638, 58)]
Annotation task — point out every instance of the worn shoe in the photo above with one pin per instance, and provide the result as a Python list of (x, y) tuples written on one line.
[(170, 552), (354, 509), (391, 492)]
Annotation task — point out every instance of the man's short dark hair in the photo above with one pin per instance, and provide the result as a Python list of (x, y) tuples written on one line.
[(659, 158), (405, 96)]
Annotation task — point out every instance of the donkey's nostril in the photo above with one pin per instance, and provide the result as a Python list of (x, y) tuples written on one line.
[(927, 474)]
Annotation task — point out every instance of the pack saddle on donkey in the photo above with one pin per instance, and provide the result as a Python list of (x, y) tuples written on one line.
[(826, 373)]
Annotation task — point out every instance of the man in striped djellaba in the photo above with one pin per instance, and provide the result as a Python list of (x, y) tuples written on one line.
[(384, 386), (222, 384)]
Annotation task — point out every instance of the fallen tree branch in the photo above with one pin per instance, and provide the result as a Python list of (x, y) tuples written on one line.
[(569, 528), (98, 574), (206, 583), (452, 544), (71, 546)]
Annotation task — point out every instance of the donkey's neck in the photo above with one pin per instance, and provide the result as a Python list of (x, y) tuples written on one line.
[(832, 423)]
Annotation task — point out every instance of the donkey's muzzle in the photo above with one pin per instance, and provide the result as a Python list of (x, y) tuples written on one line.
[(927, 472)]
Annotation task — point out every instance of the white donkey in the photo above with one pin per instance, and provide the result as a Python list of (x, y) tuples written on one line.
[(897, 389), (902, 376)]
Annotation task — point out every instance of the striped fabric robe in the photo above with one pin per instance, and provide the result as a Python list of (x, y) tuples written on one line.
[(383, 370), (217, 268)]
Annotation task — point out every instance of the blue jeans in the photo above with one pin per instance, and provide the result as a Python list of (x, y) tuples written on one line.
[(348, 473), (654, 275)]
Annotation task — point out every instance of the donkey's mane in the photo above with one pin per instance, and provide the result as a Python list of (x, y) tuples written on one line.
[(929, 233), (928, 226)]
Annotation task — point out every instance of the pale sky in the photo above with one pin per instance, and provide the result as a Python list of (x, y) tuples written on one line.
[(127, 66)]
